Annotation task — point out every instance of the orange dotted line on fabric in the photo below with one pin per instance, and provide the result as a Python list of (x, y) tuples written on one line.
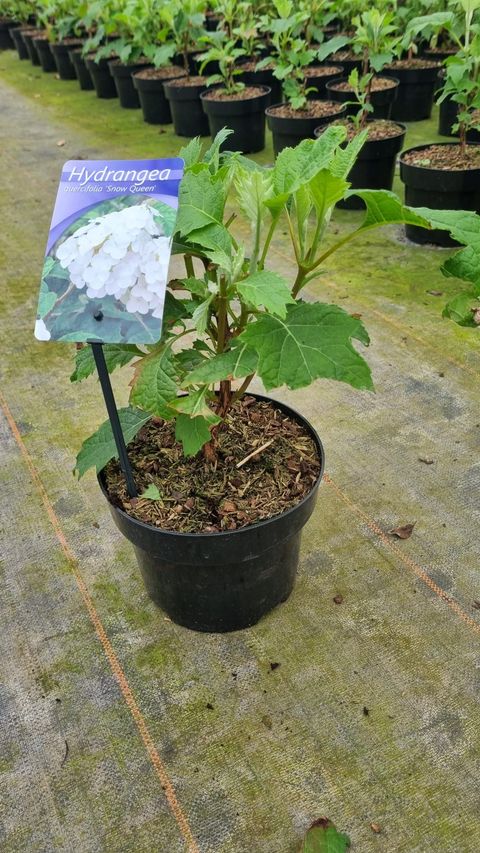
[(104, 640), (405, 559)]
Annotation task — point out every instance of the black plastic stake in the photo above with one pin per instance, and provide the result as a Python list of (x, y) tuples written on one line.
[(107, 390)]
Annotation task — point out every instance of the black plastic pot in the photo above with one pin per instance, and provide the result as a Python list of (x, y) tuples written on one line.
[(374, 168), (83, 74), (288, 131), (246, 117), (220, 582), (382, 100), (192, 62), (264, 77), (28, 36), (438, 55), (63, 60), (439, 189), (414, 100), (45, 55), (155, 106), (348, 64), (319, 82), (188, 116), (6, 42), (102, 79), (19, 44), (447, 116), (122, 75)]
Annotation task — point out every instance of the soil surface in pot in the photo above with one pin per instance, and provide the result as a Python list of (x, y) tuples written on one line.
[(447, 157), (377, 129), (244, 95), (322, 70), (160, 73), (345, 55), (141, 61), (200, 497), (189, 81), (69, 40), (251, 65), (415, 62), (315, 109), (378, 85)]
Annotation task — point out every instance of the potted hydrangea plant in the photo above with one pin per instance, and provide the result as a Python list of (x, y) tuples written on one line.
[(226, 478)]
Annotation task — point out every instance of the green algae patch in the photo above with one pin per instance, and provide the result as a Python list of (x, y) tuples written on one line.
[(114, 602)]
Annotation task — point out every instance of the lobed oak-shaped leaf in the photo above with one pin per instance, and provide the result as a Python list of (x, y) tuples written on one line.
[(314, 341)]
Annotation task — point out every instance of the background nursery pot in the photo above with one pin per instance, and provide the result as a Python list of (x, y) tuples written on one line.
[(122, 75), (6, 42), (374, 167), (83, 74), (101, 77), (264, 77), (289, 127), (244, 115), (381, 99), (418, 81), (20, 46), (28, 36), (61, 52), (45, 55), (188, 116), (222, 582), (442, 189), (149, 85)]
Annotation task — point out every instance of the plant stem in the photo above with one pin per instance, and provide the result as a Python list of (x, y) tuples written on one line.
[(189, 266)]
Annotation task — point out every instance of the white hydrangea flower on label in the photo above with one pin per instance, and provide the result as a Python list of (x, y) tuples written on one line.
[(41, 331), (124, 254)]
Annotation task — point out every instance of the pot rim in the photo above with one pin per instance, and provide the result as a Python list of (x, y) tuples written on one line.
[(334, 104), (263, 90), (257, 525)]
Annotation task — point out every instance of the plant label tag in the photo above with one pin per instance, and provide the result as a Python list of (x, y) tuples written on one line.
[(108, 251)]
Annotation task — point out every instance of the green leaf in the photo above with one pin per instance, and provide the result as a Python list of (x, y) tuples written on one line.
[(463, 226), (193, 433), (326, 189), (323, 837), (97, 450), (151, 493), (195, 405), (191, 152), (234, 364), (267, 289), (385, 207), (461, 309), (116, 355), (332, 46), (313, 342), (253, 188), (212, 154), (202, 313), (297, 166), (201, 202), (155, 383), (345, 157)]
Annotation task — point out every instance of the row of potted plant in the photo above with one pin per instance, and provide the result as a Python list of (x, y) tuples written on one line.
[(162, 58)]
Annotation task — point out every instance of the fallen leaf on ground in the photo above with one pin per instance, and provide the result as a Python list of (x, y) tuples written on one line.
[(426, 460), (375, 827), (403, 532), (267, 721), (338, 599), (435, 292), (61, 143), (356, 316), (366, 711), (323, 837), (476, 605), (274, 665)]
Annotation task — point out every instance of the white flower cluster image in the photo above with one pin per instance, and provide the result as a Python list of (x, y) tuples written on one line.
[(124, 254)]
